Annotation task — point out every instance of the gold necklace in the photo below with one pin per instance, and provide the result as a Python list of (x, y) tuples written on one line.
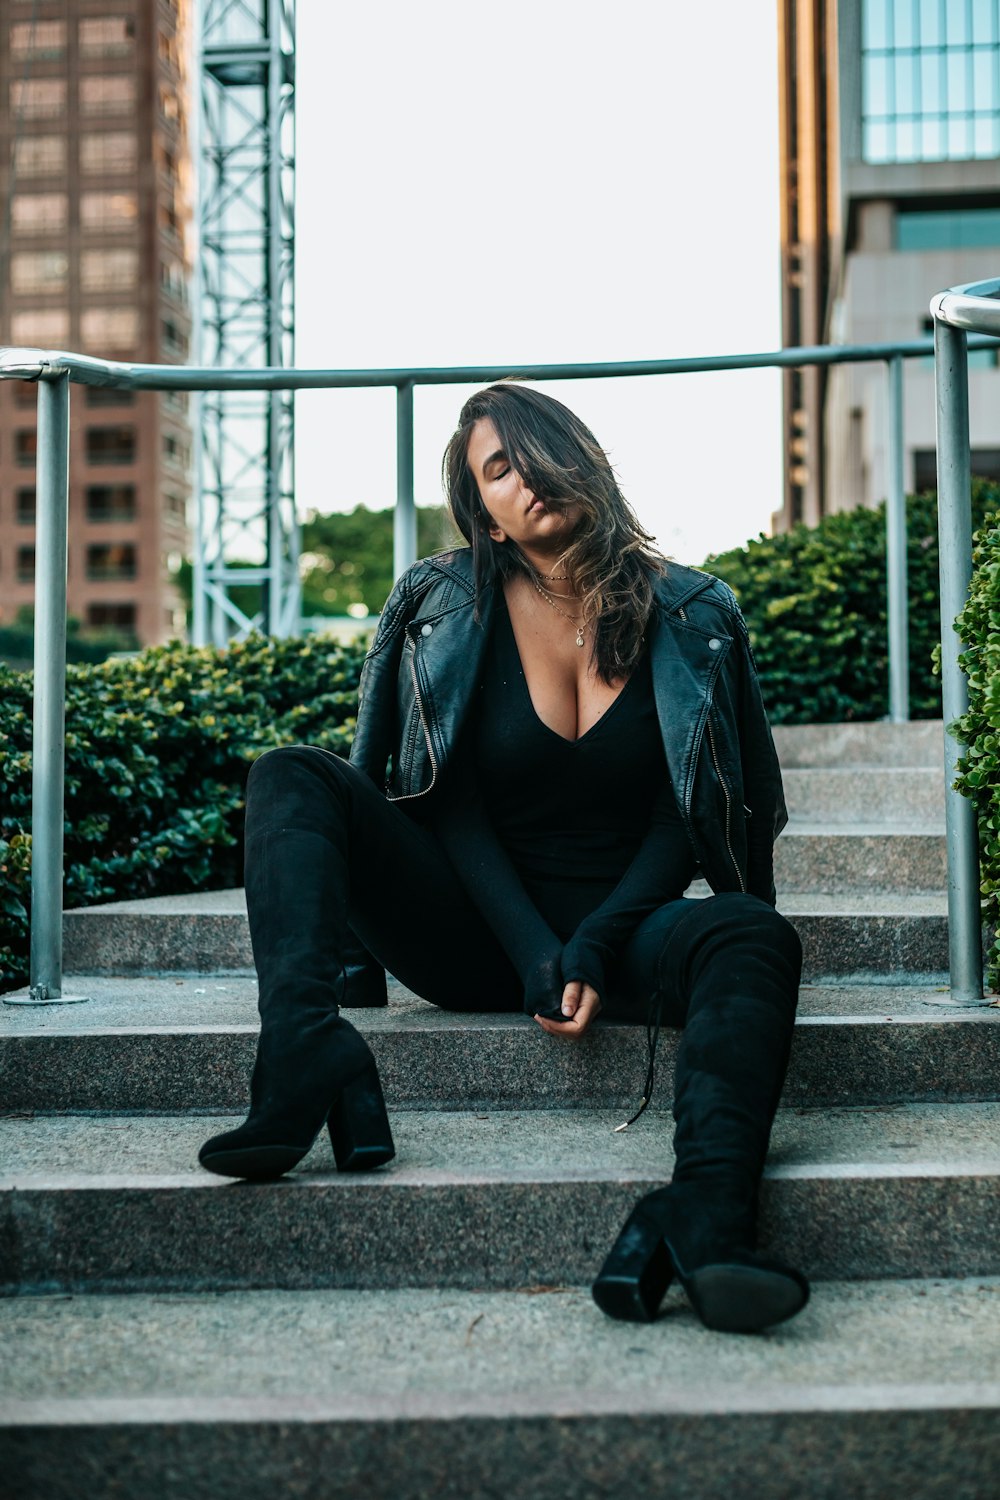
[(577, 624)]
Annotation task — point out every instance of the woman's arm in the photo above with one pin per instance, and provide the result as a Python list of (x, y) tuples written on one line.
[(660, 871)]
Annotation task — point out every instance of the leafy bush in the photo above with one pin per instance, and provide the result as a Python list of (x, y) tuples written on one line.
[(979, 728), (157, 753), (17, 641), (815, 603)]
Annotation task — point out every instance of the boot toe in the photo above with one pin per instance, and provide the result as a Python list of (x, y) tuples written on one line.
[(732, 1297)]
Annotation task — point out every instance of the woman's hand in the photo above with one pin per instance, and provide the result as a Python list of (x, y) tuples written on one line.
[(580, 1004)]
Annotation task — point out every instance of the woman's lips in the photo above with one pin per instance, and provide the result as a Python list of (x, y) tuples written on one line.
[(536, 505)]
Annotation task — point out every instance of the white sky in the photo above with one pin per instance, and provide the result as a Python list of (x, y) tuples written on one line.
[(544, 180)]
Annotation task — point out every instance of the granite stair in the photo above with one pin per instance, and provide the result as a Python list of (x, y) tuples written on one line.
[(427, 1330)]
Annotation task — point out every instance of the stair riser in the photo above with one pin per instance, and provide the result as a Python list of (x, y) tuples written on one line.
[(189, 944), (924, 1454), (918, 744), (833, 1063), (865, 796), (877, 864), (485, 1234)]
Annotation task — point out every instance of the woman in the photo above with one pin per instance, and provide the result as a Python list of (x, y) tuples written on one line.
[(574, 726)]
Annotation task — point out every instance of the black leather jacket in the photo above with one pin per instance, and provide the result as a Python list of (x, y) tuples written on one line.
[(424, 664)]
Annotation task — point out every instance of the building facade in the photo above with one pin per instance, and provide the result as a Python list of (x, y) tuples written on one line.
[(95, 203), (890, 190)]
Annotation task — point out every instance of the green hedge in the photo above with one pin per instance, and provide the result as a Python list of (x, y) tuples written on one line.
[(979, 728), (157, 753), (815, 603)]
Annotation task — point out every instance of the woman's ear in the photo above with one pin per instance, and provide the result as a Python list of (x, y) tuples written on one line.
[(496, 533)]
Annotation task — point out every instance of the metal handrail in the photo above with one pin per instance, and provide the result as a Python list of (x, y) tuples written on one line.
[(56, 370), (962, 310)]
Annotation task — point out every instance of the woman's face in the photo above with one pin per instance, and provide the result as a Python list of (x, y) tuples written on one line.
[(516, 513)]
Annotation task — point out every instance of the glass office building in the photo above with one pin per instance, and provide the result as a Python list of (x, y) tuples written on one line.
[(890, 156)]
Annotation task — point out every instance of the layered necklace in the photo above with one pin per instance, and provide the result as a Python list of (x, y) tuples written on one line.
[(550, 598)]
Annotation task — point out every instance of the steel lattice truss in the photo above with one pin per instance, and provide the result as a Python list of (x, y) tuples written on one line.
[(246, 167)]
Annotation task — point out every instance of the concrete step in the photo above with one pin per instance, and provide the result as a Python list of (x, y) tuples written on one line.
[(172, 1045), (809, 858), (492, 1200), (908, 798), (875, 1391), (920, 743), (842, 933)]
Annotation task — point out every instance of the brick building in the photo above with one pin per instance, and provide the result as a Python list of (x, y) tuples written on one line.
[(95, 202)]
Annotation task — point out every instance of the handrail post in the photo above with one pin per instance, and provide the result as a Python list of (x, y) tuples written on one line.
[(404, 525), (895, 551), (49, 712), (951, 378)]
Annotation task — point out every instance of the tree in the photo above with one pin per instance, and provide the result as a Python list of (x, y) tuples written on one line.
[(347, 557)]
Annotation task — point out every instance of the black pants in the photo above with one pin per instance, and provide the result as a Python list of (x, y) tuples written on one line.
[(322, 844)]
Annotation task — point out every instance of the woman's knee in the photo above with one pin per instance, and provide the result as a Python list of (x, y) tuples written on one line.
[(739, 918), (293, 781)]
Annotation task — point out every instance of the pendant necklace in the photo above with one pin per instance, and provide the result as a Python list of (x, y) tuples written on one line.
[(577, 624)]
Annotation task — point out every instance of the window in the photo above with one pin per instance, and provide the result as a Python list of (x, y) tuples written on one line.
[(113, 94), (167, 49), (38, 98), (110, 502), (175, 451), (169, 219), (37, 41), (114, 151), (930, 83), (948, 229), (985, 465), (43, 271), (25, 501), (170, 107), (111, 445), (114, 328), (175, 505), (174, 281), (174, 338), (25, 447), (108, 211), (107, 395), (175, 400), (44, 328), (111, 560), (41, 156), (39, 213), (109, 270), (106, 36), (111, 616), (25, 564)]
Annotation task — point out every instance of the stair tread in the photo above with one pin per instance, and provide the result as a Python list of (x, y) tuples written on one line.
[(232, 904), (228, 1002), (57, 1152), (311, 1355)]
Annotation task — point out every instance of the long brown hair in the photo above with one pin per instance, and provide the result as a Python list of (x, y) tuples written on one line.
[(610, 560)]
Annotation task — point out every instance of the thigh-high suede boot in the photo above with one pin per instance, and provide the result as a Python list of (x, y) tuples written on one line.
[(312, 1068), (739, 963)]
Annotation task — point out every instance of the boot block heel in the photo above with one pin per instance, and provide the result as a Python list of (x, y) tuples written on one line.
[(631, 1283), (359, 1125)]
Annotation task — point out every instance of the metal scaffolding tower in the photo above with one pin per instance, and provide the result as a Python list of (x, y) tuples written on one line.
[(246, 529)]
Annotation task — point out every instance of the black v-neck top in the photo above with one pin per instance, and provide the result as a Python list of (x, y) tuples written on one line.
[(571, 814)]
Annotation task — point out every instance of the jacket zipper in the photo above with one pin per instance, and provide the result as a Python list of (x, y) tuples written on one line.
[(729, 808), (412, 796)]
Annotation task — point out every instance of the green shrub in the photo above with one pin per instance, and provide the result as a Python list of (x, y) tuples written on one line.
[(815, 603), (979, 728), (157, 753)]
